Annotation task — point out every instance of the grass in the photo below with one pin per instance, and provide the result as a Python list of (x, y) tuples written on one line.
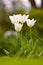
[(5, 60)]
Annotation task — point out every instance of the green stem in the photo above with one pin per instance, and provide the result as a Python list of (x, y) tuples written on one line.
[(31, 36), (21, 33)]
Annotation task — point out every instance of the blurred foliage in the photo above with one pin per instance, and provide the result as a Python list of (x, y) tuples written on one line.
[(21, 46), (38, 15)]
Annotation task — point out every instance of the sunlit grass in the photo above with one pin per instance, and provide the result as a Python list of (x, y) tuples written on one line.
[(5, 60)]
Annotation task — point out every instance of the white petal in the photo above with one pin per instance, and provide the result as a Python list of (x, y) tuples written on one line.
[(12, 19)]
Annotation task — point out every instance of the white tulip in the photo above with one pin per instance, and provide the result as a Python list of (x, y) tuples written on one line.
[(30, 23), (18, 27), (15, 18), (23, 18)]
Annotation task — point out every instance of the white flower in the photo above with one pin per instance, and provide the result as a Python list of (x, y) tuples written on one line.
[(18, 27), (30, 23), (18, 18), (15, 18), (23, 18)]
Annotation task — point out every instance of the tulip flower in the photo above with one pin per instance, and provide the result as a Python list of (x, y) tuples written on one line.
[(18, 27), (23, 18), (15, 18), (30, 23)]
